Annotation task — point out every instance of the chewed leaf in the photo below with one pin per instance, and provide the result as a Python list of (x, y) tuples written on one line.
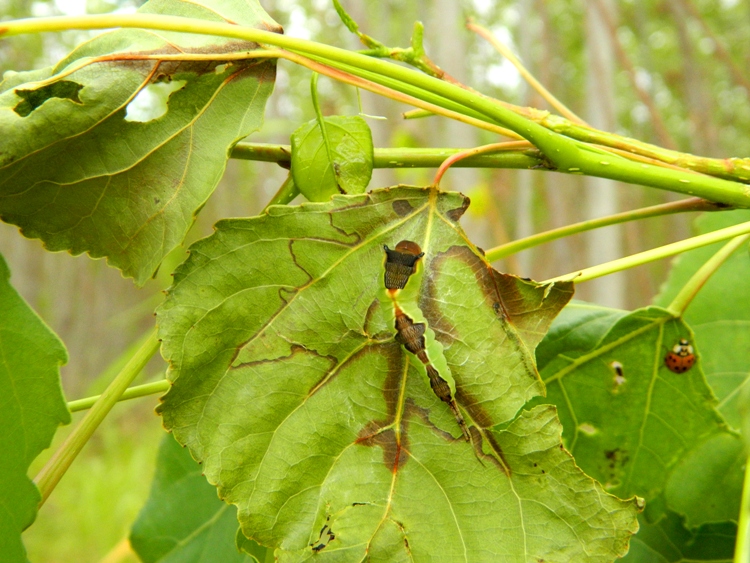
[(407, 299), (635, 424), (291, 389), (33, 408), (120, 188)]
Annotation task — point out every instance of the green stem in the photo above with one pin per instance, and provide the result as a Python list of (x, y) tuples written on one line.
[(287, 192), (566, 154), (56, 467), (653, 254), (691, 204), (737, 169), (403, 157), (695, 283), (130, 393), (742, 547)]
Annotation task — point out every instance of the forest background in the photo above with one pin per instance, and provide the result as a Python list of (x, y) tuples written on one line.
[(670, 72)]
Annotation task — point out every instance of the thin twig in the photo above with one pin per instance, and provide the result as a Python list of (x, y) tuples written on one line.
[(659, 126), (494, 147), (527, 76), (721, 50)]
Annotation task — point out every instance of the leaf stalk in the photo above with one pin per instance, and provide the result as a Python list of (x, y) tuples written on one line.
[(653, 254), (682, 206), (144, 390), (697, 281), (56, 467)]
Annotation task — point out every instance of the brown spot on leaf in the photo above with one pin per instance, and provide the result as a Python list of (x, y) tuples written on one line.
[(511, 298), (394, 451), (455, 214), (616, 457), (402, 207), (381, 432)]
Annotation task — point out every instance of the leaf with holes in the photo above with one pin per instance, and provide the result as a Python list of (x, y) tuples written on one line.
[(32, 409), (79, 173), (182, 519), (290, 389), (339, 161), (719, 314), (633, 424)]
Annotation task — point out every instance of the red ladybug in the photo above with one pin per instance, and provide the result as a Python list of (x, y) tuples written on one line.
[(681, 358)]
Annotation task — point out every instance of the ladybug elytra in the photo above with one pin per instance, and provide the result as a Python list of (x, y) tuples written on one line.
[(681, 358)]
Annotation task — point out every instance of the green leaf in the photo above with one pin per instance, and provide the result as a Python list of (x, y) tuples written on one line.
[(669, 541), (33, 407), (633, 424), (183, 520), (348, 169), (250, 547), (290, 389), (719, 314), (77, 174)]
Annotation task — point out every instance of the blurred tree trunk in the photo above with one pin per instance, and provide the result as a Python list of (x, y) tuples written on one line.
[(527, 34), (703, 138), (601, 194)]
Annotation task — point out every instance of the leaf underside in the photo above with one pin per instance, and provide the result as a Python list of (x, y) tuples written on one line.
[(33, 407), (290, 390), (80, 177)]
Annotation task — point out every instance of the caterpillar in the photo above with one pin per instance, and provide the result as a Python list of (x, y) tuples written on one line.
[(400, 264)]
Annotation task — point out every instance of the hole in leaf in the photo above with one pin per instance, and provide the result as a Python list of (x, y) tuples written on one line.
[(32, 99), (151, 102)]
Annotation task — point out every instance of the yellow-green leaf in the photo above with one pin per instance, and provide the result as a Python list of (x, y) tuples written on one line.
[(304, 411)]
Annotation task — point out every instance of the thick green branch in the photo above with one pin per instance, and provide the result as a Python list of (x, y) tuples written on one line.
[(403, 157), (566, 154), (56, 467)]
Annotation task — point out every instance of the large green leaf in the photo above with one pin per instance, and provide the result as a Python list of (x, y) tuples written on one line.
[(31, 408), (338, 160), (719, 314), (635, 425), (304, 411), (78, 175), (668, 541), (183, 520)]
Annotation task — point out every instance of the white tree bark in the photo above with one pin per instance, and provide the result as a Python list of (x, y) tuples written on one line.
[(601, 194)]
